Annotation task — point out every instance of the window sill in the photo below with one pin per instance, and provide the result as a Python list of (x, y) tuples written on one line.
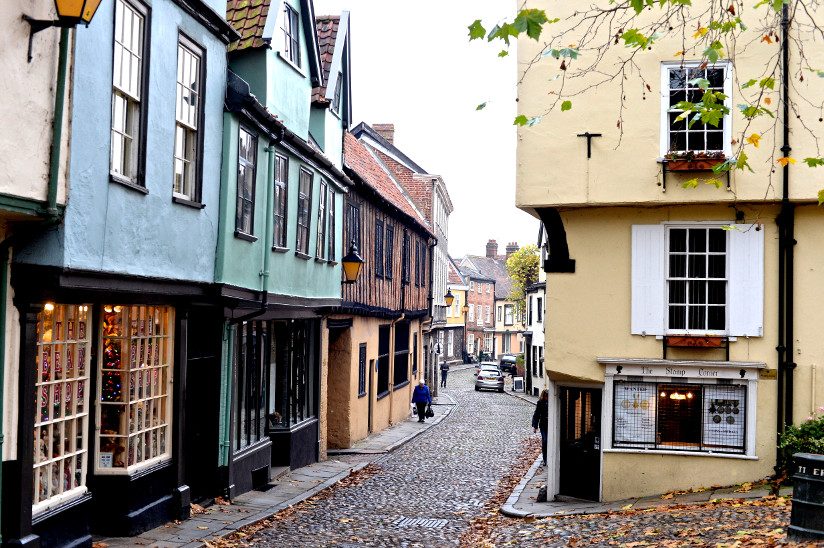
[(383, 395), (292, 64), (128, 183), (683, 453), (362, 395), (187, 202), (243, 236), (401, 385), (278, 249), (332, 263), (320, 261), (304, 256)]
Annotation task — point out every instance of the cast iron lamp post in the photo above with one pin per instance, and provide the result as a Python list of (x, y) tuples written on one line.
[(69, 14)]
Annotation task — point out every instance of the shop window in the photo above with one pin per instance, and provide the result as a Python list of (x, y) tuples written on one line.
[(250, 347), (61, 415), (679, 417), (401, 361), (292, 388), (188, 120), (383, 361), (134, 387)]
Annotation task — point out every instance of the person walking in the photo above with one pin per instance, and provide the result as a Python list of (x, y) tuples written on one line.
[(540, 419), (444, 373), (421, 397)]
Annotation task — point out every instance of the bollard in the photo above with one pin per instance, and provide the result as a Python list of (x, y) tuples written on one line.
[(807, 517)]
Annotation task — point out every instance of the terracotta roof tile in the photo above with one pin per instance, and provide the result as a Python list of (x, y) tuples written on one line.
[(327, 26), (248, 17), (495, 269), (357, 158)]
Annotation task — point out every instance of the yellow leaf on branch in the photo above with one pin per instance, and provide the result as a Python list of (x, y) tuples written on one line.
[(753, 139), (701, 32), (784, 161)]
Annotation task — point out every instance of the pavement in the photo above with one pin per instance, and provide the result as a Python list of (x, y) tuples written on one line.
[(294, 486)]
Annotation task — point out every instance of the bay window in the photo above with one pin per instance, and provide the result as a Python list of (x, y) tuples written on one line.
[(61, 422), (134, 382)]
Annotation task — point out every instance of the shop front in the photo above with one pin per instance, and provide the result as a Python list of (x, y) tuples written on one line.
[(275, 395), (99, 409)]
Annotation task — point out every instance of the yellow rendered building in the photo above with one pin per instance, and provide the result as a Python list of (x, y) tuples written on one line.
[(666, 305)]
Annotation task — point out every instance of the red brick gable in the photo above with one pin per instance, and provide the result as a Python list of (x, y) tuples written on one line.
[(357, 158), (420, 191)]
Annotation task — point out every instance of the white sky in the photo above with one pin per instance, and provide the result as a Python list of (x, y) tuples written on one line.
[(413, 66)]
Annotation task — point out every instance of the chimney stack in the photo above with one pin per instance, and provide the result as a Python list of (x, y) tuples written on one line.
[(511, 248), (387, 131), (492, 249)]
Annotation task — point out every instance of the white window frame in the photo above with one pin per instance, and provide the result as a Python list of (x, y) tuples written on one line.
[(187, 149), (509, 314), (64, 341), (487, 314), (479, 317), (471, 313), (450, 343), (745, 275), (665, 99), (470, 342), (246, 164), (126, 161), (488, 288), (145, 355), (290, 26), (471, 286), (320, 246)]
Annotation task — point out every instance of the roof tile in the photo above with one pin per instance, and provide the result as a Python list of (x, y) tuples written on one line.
[(248, 17)]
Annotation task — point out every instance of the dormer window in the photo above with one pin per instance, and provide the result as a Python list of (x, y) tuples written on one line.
[(291, 35)]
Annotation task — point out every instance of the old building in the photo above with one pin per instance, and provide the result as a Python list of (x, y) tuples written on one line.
[(375, 335), (674, 333)]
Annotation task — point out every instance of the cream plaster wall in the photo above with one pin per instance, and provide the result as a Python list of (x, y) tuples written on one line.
[(588, 317), (27, 110), (553, 168), (348, 414)]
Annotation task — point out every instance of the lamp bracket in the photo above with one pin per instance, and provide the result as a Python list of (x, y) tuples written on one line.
[(41, 24)]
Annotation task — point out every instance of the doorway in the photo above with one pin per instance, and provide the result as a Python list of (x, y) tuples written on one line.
[(580, 447)]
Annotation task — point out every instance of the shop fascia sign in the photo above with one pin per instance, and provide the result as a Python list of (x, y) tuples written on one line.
[(671, 369)]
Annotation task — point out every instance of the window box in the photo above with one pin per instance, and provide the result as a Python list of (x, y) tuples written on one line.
[(695, 164)]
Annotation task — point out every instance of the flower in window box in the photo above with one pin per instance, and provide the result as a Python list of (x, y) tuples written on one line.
[(692, 160)]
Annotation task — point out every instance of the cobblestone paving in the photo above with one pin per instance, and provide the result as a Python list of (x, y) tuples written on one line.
[(428, 490), (730, 523)]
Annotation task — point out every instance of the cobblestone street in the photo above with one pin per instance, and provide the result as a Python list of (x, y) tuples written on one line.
[(427, 491)]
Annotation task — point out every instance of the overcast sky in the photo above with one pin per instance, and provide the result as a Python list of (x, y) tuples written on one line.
[(413, 66)]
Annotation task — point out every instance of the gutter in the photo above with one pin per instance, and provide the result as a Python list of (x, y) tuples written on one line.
[(786, 243)]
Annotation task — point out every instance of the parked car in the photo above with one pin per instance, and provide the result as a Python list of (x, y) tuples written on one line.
[(490, 377), (482, 364), (508, 363)]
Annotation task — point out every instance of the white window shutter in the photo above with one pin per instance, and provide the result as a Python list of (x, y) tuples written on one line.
[(746, 282), (648, 280)]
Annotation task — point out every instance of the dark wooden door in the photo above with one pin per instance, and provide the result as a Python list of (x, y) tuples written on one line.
[(580, 451)]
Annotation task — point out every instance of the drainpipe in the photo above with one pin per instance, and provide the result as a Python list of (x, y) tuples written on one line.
[(786, 242), (57, 123)]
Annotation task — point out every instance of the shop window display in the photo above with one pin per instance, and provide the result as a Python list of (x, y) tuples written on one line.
[(61, 420), (134, 387)]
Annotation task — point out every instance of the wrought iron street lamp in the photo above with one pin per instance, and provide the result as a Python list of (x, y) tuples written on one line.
[(352, 264), (449, 298), (69, 14)]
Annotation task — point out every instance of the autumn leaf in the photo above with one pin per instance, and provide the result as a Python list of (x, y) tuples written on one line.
[(767, 39), (702, 31), (784, 161), (767, 100), (753, 139)]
